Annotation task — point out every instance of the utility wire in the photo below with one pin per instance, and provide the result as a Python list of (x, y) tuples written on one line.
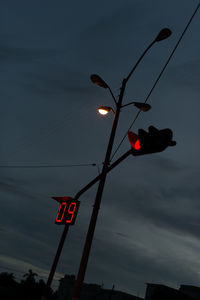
[(158, 78), (47, 166)]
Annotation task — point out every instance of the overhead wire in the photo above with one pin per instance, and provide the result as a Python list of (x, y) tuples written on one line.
[(47, 166), (158, 78)]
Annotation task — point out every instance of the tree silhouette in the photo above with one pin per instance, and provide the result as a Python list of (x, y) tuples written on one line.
[(27, 289), (30, 276), (9, 288), (7, 279)]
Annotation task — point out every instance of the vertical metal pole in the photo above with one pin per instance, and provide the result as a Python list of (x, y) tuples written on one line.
[(55, 262), (93, 220)]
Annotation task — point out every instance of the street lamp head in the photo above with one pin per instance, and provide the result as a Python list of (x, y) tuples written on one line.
[(163, 34), (96, 79), (142, 106), (104, 110)]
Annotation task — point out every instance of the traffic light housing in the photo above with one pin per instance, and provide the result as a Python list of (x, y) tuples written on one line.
[(153, 141)]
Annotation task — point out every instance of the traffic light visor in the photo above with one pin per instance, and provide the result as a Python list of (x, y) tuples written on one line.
[(134, 141), (62, 199)]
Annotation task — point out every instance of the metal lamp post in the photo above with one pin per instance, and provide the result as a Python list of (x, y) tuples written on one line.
[(163, 34)]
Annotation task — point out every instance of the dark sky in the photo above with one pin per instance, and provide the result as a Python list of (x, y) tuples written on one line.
[(148, 227)]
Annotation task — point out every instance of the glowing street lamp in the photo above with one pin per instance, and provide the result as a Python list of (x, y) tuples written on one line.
[(104, 110)]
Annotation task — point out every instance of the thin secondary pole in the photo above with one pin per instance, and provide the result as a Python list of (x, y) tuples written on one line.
[(55, 262), (66, 228)]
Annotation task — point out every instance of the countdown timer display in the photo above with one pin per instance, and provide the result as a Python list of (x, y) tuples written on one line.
[(67, 211)]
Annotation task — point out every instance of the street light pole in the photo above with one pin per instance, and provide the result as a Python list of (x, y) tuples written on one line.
[(163, 34), (92, 225)]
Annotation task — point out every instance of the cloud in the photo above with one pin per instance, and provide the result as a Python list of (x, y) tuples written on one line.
[(151, 228), (148, 224), (9, 263), (151, 254), (50, 80), (186, 74), (168, 200), (14, 54), (16, 187)]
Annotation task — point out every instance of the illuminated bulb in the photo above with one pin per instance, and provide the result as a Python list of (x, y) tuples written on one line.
[(104, 110), (137, 145)]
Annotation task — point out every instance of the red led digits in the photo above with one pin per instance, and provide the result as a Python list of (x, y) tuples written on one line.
[(67, 211), (61, 212), (71, 211)]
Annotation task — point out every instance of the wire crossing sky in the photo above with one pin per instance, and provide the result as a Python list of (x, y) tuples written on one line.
[(47, 166), (158, 78)]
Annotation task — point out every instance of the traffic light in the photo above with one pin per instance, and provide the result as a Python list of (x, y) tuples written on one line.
[(153, 141), (67, 211)]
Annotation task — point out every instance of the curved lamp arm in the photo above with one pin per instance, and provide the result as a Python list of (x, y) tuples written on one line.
[(162, 35)]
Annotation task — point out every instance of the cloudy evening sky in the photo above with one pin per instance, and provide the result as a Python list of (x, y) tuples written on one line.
[(149, 223)]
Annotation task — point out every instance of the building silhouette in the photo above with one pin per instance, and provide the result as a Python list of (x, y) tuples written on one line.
[(163, 292), (190, 290), (90, 291), (153, 292)]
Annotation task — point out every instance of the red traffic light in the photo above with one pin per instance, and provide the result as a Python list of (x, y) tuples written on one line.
[(153, 141), (134, 141)]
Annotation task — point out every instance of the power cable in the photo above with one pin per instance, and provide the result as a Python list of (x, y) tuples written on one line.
[(158, 78), (47, 166)]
